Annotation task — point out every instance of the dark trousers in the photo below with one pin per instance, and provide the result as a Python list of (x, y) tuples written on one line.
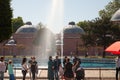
[(24, 74), (33, 75), (56, 74), (1, 75), (117, 71)]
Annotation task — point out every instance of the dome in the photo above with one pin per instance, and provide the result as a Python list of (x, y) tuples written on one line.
[(27, 29), (116, 16), (74, 29)]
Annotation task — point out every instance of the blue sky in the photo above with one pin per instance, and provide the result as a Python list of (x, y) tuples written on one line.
[(74, 10)]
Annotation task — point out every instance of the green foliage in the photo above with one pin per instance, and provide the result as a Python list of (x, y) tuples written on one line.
[(16, 23), (100, 31), (110, 9), (5, 20), (89, 37)]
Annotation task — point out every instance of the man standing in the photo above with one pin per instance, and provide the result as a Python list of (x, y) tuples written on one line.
[(2, 68), (34, 68), (57, 63), (50, 69), (117, 66)]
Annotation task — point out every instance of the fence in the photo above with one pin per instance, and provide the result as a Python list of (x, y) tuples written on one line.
[(90, 74)]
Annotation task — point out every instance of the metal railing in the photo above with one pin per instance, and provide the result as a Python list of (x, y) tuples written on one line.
[(90, 74)]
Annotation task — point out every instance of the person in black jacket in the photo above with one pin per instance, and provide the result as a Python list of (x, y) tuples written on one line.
[(34, 68), (68, 74), (64, 61), (57, 63), (50, 69), (76, 61)]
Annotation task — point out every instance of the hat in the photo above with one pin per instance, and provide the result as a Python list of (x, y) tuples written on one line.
[(10, 61)]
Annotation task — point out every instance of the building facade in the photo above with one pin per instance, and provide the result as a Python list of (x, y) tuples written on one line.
[(30, 40)]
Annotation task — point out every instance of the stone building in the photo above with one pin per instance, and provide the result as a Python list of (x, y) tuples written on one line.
[(73, 44), (31, 40), (71, 39)]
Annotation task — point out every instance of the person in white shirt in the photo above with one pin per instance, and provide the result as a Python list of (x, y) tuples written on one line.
[(117, 66), (24, 67), (2, 68)]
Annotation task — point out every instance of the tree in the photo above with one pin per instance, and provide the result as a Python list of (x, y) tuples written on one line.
[(106, 25), (110, 9), (16, 23), (100, 30), (5, 20), (88, 37)]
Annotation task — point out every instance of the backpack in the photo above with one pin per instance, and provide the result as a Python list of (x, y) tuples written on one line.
[(80, 73)]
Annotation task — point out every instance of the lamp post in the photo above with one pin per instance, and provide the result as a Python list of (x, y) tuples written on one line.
[(77, 46)]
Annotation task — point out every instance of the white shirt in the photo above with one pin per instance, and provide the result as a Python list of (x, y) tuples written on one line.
[(24, 66), (117, 62), (2, 66)]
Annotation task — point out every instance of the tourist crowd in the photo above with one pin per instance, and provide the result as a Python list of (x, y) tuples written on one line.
[(30, 67), (67, 69), (71, 69)]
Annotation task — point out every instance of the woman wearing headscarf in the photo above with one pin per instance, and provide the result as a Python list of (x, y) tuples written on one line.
[(50, 69)]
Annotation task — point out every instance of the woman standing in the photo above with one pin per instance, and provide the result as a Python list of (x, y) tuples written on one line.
[(50, 69), (24, 67), (68, 74)]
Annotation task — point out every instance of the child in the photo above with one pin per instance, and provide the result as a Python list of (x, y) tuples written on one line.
[(10, 70), (61, 72)]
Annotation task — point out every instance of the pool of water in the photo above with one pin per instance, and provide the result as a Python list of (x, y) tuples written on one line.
[(85, 63), (97, 65)]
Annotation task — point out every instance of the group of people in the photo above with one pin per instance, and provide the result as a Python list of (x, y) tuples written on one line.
[(30, 67), (69, 70)]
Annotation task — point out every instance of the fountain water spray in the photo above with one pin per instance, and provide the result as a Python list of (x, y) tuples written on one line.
[(46, 39), (55, 19)]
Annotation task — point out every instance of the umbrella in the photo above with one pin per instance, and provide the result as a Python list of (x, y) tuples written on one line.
[(114, 48)]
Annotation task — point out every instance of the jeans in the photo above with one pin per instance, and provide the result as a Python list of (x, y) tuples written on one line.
[(1, 75), (12, 77)]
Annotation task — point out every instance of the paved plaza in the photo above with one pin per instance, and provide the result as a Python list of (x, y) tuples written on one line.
[(90, 74)]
